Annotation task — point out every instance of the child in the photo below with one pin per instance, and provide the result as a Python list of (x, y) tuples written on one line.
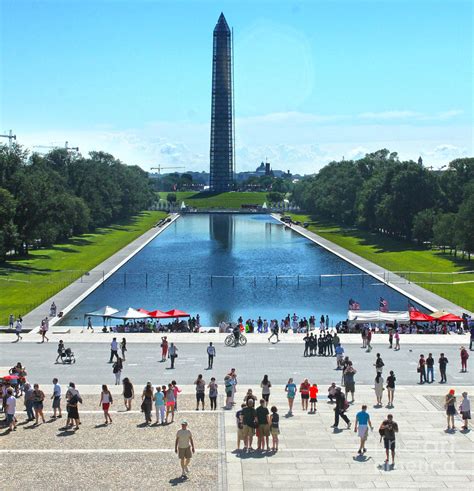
[(275, 427), (313, 397)]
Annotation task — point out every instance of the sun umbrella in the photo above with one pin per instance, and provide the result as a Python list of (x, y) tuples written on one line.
[(417, 316), (450, 318), (177, 313), (129, 313), (159, 314)]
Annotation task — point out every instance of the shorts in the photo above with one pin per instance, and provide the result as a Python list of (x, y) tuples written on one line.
[(248, 431), (264, 430), (128, 398), (240, 433), (10, 418), (105, 406), (466, 414), (56, 403), (304, 396), (229, 392), (363, 431), (450, 410), (38, 406), (275, 431), (389, 444), (266, 397), (200, 396), (313, 400), (350, 387), (170, 404), (185, 453)]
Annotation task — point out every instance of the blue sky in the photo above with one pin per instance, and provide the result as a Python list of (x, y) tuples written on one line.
[(315, 80)]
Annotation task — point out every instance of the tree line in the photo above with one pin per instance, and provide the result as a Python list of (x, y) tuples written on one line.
[(48, 198), (403, 199)]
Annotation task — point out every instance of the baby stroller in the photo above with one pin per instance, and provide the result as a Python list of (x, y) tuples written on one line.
[(67, 356)]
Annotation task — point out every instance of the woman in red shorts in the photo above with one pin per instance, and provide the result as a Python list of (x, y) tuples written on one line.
[(105, 402)]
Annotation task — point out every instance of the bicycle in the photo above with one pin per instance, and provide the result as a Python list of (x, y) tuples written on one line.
[(230, 340)]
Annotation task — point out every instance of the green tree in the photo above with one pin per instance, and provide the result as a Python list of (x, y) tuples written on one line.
[(274, 197), (444, 230), (465, 225), (423, 222), (171, 198)]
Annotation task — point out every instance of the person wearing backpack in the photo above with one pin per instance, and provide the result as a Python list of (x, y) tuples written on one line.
[(105, 401), (387, 431), (340, 410), (379, 364), (73, 399)]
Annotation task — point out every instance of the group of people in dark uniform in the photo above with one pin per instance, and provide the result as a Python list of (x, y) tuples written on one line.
[(324, 345)]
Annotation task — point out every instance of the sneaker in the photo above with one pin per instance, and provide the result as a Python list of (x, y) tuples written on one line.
[(186, 468)]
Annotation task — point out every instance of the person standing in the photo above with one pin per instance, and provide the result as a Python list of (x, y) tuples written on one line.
[(38, 402), (159, 399), (105, 401), (147, 402), (471, 339), (304, 392), (211, 353), (164, 348), (369, 340), (249, 421), (11, 321), (28, 400), (465, 410), (379, 364), (290, 389), (184, 447), (240, 426), (170, 399), (213, 393), (10, 409), (274, 427), (117, 370), (397, 341), (18, 328), (450, 405), (200, 391), (422, 369), (172, 354), (464, 358), (73, 398), (391, 379), (263, 426), (430, 368), (349, 382), (113, 350), (123, 348), (313, 397), (128, 393), (361, 427), (390, 338), (176, 391), (442, 362), (265, 384), (340, 409), (339, 356), (388, 428), (56, 398), (378, 386)]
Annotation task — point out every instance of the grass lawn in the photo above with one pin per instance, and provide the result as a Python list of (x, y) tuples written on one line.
[(396, 256), (27, 282), (233, 200)]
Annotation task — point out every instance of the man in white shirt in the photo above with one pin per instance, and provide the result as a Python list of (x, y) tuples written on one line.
[(10, 410), (113, 350), (56, 397), (211, 352)]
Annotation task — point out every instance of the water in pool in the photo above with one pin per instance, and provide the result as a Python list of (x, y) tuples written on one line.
[(225, 265)]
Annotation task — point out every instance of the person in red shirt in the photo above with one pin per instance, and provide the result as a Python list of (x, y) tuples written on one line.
[(304, 391), (313, 397)]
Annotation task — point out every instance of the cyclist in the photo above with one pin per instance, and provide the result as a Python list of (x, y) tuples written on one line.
[(236, 333)]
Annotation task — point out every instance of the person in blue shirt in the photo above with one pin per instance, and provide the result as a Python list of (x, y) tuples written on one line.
[(290, 389), (361, 427)]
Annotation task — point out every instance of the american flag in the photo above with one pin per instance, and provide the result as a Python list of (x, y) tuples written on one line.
[(353, 305), (411, 307), (383, 305)]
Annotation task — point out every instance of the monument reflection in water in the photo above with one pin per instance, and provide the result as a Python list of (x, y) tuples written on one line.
[(226, 265)]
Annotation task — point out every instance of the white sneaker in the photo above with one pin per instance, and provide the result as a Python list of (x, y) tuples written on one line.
[(186, 468)]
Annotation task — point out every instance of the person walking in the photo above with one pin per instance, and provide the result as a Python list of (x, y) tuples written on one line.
[(117, 370), (265, 384), (213, 393), (89, 324), (340, 409), (378, 387), (128, 393), (28, 401), (443, 362), (274, 427), (465, 410), (304, 392), (11, 321), (313, 397), (361, 427), (263, 426), (56, 398), (170, 399), (113, 350), (164, 348), (147, 402), (390, 338), (105, 401), (184, 447), (290, 390), (391, 379), (274, 330), (44, 329), (172, 354), (10, 410), (464, 358), (73, 398), (38, 402), (397, 341), (349, 382), (18, 329), (60, 350), (422, 369), (430, 368), (123, 348), (176, 391), (450, 405), (211, 353), (159, 399), (379, 364), (387, 430), (200, 391)]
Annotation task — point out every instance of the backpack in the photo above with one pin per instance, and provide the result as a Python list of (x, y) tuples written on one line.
[(346, 405)]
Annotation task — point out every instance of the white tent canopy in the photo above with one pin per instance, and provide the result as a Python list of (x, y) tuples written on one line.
[(366, 316), (106, 311), (128, 314)]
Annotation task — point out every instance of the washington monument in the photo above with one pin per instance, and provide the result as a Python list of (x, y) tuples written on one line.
[(222, 114)]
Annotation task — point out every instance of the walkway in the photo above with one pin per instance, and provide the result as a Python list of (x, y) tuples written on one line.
[(415, 292), (73, 294)]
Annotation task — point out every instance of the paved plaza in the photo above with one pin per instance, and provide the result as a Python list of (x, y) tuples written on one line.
[(312, 455)]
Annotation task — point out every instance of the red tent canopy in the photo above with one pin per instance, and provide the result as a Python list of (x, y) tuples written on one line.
[(159, 314), (417, 316), (143, 311), (450, 318), (177, 313)]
